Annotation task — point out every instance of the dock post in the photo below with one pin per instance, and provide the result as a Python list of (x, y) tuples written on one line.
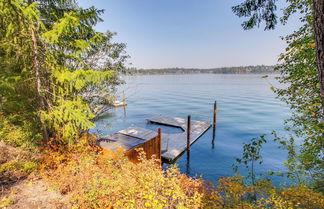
[(214, 121), (188, 133), (188, 146), (124, 104), (214, 125), (159, 145)]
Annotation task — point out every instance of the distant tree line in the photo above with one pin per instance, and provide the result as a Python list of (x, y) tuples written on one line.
[(222, 70)]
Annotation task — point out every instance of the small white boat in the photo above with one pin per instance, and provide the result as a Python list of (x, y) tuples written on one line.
[(119, 103)]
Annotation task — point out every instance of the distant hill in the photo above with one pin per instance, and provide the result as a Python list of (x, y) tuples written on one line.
[(223, 70)]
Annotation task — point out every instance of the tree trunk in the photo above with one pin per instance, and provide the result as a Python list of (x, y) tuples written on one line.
[(319, 38), (37, 69)]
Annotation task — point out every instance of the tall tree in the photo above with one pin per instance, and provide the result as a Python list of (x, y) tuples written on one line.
[(302, 76), (51, 49), (265, 10), (318, 7)]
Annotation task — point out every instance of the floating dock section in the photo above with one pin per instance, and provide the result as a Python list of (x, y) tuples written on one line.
[(173, 145), (170, 146)]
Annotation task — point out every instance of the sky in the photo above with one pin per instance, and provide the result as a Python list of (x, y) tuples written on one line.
[(188, 33)]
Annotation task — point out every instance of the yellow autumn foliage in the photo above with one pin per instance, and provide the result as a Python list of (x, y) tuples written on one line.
[(109, 180)]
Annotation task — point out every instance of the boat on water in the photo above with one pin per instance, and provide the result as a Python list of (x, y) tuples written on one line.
[(119, 103)]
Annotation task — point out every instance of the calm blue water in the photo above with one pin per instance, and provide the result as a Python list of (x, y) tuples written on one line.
[(247, 108)]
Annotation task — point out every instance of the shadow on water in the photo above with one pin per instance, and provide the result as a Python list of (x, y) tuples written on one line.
[(125, 114)]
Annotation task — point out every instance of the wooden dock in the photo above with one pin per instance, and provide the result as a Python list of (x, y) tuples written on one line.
[(171, 145), (132, 138)]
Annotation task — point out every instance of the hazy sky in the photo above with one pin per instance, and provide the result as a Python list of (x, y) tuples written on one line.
[(188, 33)]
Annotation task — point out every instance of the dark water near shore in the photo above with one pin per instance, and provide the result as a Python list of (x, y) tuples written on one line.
[(247, 108)]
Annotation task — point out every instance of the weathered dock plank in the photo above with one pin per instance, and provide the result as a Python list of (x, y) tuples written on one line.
[(175, 144), (138, 132)]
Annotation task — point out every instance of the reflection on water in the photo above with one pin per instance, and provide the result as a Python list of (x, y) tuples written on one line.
[(213, 140), (246, 108), (188, 163)]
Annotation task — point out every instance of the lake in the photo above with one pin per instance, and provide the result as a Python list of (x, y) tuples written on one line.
[(246, 105)]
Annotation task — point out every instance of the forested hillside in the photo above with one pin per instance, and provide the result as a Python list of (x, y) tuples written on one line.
[(222, 70)]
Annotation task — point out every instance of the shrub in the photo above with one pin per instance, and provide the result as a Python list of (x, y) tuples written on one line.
[(95, 180), (98, 179), (17, 133), (5, 202)]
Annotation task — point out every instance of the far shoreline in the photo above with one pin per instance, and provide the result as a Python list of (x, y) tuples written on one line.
[(143, 74), (258, 69)]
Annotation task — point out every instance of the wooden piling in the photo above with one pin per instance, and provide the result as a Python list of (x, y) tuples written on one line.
[(214, 121), (215, 110), (188, 132), (124, 98), (159, 145)]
